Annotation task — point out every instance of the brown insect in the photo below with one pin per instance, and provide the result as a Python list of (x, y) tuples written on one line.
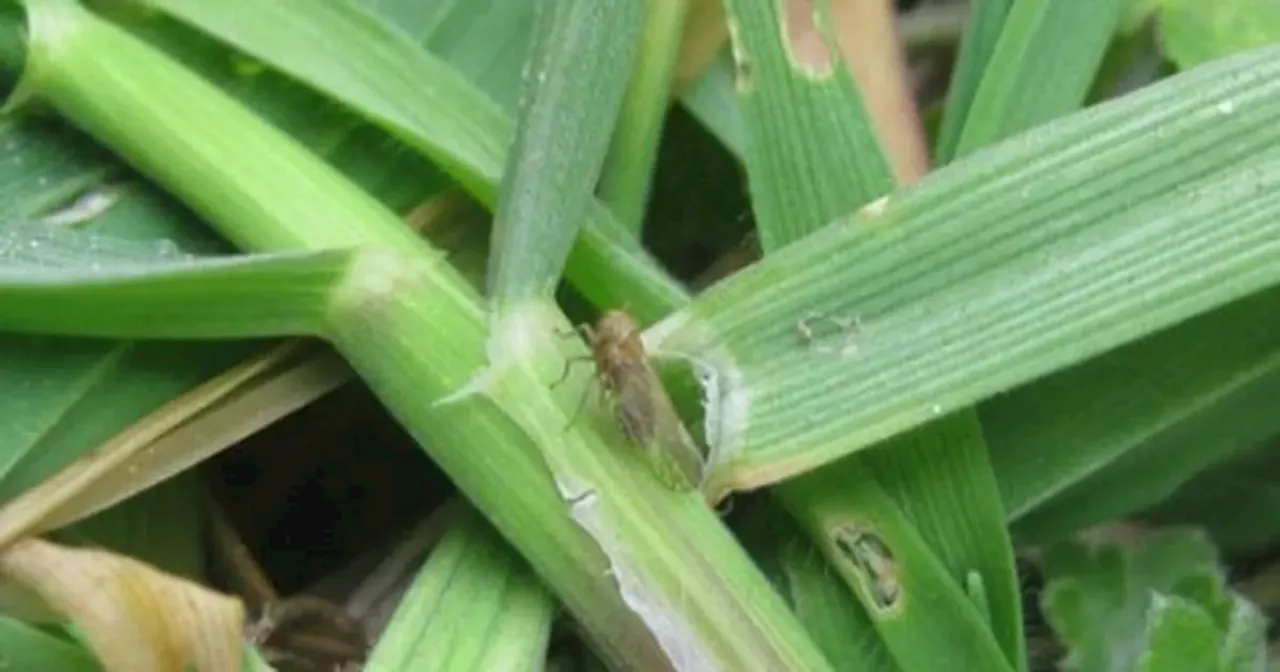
[(645, 412)]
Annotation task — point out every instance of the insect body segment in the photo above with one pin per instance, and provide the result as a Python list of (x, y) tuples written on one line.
[(645, 412)]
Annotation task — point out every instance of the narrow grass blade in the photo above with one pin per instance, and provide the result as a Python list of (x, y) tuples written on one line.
[(1041, 68), (1153, 469), (821, 601), (986, 21), (920, 610), (942, 480), (577, 72), (387, 76), (1233, 504), (229, 297), (1054, 433), (832, 617), (995, 271), (797, 93), (625, 180), (712, 100), (606, 265), (473, 606)]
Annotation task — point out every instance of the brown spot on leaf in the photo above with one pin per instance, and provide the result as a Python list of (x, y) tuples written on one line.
[(804, 40)]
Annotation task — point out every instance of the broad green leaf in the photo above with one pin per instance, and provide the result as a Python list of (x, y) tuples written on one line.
[(1180, 638), (1028, 257), (1233, 504), (473, 606), (1041, 67), (1195, 32), (1151, 604)]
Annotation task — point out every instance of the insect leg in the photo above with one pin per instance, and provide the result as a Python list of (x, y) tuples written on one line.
[(577, 410), (568, 364)]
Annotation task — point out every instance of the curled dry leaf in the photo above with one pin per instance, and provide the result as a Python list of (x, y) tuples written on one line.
[(136, 618)]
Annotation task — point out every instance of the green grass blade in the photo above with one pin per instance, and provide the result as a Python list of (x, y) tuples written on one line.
[(810, 146), (449, 119), (628, 172), (712, 101), (1153, 469), (1041, 68), (820, 599), (1041, 252), (986, 19), (1233, 504), (811, 156), (577, 69), (941, 477), (920, 610), (1056, 432), (473, 606), (829, 614), (606, 265), (230, 297)]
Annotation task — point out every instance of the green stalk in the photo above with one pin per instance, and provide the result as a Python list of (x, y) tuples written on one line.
[(653, 576), (624, 184)]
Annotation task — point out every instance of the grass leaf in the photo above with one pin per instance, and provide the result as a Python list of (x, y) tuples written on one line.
[(628, 172), (1085, 418), (474, 605), (577, 72), (994, 271), (606, 265), (238, 296), (986, 20), (1041, 67), (1152, 470), (810, 146)]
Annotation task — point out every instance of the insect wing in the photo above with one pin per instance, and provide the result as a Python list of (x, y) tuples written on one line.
[(649, 419)]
